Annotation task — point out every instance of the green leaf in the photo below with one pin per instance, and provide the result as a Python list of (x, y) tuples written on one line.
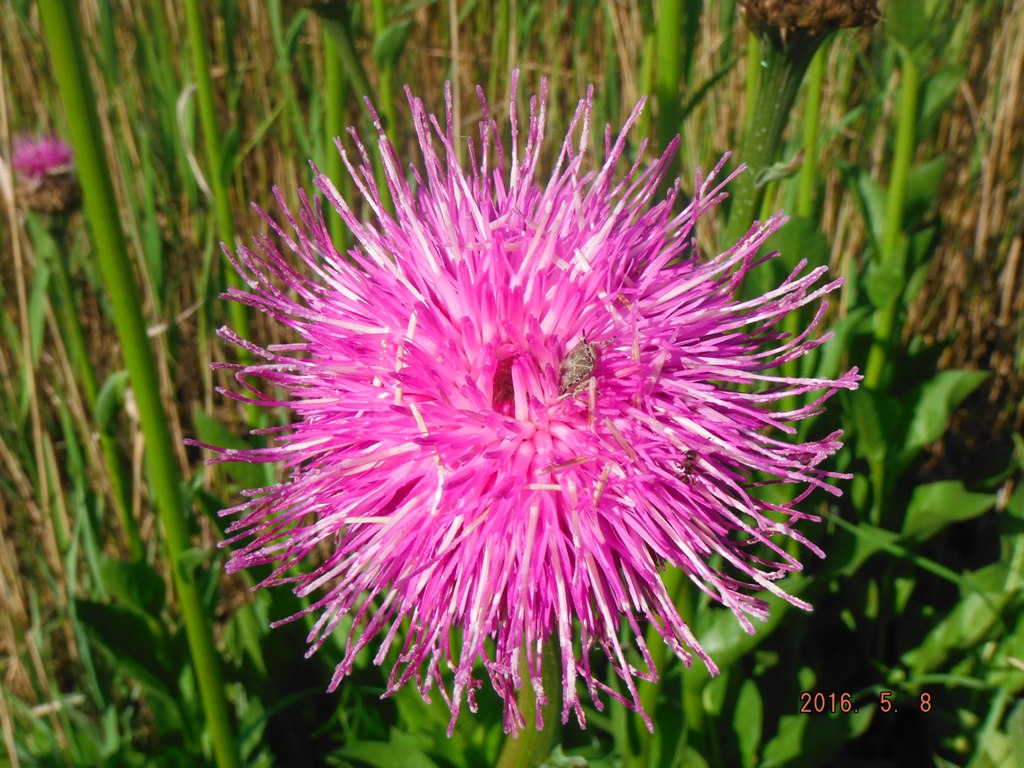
[(213, 432), (872, 202), (907, 23), (132, 643), (829, 356), (747, 722), (1015, 730), (382, 754), (931, 405), (390, 43), (808, 741), (934, 506), (937, 95), (110, 398), (966, 625), (866, 541), (800, 238), (230, 156), (884, 281), (135, 584), (247, 628), (922, 190), (877, 417)]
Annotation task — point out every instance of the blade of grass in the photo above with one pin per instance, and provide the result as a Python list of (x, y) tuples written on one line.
[(334, 85), (61, 27), (216, 172)]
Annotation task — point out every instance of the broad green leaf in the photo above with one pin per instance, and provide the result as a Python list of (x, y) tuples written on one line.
[(747, 722), (872, 201), (937, 95), (877, 419), (885, 281), (390, 43), (809, 741), (110, 397), (907, 23), (381, 754), (691, 759), (966, 625), (829, 356), (213, 432), (932, 404), (922, 190), (230, 155), (1015, 730), (246, 627), (135, 584), (934, 506), (800, 238), (132, 644), (865, 540)]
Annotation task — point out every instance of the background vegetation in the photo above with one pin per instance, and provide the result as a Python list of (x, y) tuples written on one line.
[(902, 165)]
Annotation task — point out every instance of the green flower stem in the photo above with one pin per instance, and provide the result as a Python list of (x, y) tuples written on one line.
[(385, 95), (337, 21), (532, 747), (753, 64), (334, 117), (215, 169), (501, 58), (891, 255), (781, 72), (667, 43), (806, 191), (119, 482), (64, 39), (681, 590)]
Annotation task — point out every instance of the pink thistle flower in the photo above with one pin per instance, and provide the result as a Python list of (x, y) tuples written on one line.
[(515, 403), (32, 159), (44, 175)]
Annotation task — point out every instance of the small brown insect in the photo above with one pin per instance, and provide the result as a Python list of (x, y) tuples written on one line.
[(685, 466), (577, 366)]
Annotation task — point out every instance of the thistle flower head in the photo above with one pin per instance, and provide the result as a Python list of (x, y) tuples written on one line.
[(517, 402), (33, 159), (44, 172)]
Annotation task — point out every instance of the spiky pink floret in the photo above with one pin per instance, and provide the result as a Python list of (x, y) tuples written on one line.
[(34, 158), (448, 492)]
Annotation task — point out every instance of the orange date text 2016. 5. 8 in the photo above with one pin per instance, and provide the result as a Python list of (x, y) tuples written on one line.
[(819, 702)]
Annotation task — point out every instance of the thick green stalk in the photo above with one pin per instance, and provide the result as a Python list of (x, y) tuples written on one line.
[(531, 747), (385, 95), (646, 83), (334, 118), (781, 72), (500, 59), (64, 39), (682, 592), (806, 191), (214, 159), (891, 256), (667, 45)]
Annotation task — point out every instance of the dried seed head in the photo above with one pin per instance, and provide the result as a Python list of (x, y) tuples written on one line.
[(54, 193), (813, 17)]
